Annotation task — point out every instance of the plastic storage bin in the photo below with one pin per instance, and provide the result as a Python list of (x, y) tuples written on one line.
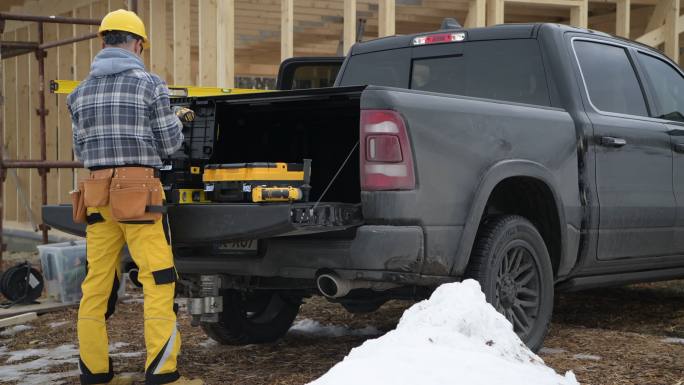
[(64, 268)]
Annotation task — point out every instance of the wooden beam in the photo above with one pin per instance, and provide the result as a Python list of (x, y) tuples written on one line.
[(225, 43), (477, 14), (98, 9), (207, 42), (672, 30), (349, 25), (144, 13), (36, 194), (18, 319), (182, 71), (658, 16), (65, 58), (24, 113), (158, 43), (622, 18), (52, 106), (495, 12), (10, 94), (386, 18), (287, 30), (579, 14), (84, 51)]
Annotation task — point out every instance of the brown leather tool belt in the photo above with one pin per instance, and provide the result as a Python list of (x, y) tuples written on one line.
[(134, 194)]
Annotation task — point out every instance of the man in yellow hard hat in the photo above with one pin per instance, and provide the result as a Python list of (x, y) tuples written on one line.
[(122, 125)]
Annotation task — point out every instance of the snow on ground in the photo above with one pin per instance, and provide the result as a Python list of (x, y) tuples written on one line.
[(589, 357), (18, 368), (552, 351), (9, 332), (314, 328), (455, 336), (55, 325), (30, 366), (673, 340)]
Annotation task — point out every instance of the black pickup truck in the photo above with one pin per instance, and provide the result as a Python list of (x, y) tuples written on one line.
[(533, 158)]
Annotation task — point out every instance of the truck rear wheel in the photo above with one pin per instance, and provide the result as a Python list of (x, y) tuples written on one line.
[(512, 264), (252, 318)]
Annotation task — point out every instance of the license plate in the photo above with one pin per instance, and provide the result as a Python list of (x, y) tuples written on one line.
[(248, 245)]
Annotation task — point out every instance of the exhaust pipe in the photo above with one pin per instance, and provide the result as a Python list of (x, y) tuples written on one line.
[(332, 286)]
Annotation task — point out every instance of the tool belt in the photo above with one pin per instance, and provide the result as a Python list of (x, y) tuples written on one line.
[(134, 194)]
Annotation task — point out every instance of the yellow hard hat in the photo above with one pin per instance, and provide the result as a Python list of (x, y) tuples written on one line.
[(123, 20)]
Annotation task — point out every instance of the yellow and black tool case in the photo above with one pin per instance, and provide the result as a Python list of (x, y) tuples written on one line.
[(257, 182)]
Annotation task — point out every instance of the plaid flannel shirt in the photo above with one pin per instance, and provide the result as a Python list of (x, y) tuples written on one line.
[(124, 118)]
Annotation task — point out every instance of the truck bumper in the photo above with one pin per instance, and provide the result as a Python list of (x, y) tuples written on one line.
[(383, 253)]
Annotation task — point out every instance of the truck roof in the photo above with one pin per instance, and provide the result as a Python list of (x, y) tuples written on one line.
[(497, 32)]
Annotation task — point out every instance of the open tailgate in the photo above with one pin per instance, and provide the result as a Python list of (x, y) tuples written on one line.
[(198, 223)]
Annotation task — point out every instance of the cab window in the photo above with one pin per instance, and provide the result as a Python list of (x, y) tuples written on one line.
[(668, 87)]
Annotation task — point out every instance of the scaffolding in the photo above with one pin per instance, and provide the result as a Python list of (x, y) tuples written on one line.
[(9, 49)]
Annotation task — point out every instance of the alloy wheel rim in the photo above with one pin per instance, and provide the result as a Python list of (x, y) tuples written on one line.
[(518, 289)]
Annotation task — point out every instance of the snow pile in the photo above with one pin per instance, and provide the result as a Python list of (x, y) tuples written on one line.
[(673, 340), (9, 332), (454, 337), (315, 328), (56, 325), (589, 357)]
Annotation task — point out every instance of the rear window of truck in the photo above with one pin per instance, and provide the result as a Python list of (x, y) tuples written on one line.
[(508, 70)]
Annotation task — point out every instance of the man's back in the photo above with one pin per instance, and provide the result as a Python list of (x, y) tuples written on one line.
[(121, 114)]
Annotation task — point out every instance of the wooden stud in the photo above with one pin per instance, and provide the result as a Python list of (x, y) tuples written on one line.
[(225, 43), (622, 18), (84, 51), (158, 41), (53, 112), (386, 18), (65, 58), (98, 10), (182, 74), (477, 14), (672, 30), (117, 4), (658, 16), (144, 13), (10, 128), (579, 14), (18, 319), (35, 193), (23, 126), (287, 30), (207, 42), (495, 12), (349, 28)]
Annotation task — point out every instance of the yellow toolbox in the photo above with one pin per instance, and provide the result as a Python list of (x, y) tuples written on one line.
[(257, 182)]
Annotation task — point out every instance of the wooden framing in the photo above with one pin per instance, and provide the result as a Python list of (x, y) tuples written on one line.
[(225, 49), (157, 35), (65, 59), (287, 30), (477, 14), (349, 28), (668, 32), (182, 71), (10, 94), (207, 42), (386, 18), (579, 9), (622, 18)]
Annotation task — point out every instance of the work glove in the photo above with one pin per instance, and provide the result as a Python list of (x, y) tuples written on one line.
[(184, 114)]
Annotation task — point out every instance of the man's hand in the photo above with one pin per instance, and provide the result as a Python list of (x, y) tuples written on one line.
[(184, 114)]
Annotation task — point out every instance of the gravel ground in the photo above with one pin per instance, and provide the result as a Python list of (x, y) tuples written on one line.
[(630, 335)]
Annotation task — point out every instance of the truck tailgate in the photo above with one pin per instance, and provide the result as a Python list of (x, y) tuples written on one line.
[(197, 223)]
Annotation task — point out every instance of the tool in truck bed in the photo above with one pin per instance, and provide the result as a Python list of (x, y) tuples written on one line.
[(257, 182)]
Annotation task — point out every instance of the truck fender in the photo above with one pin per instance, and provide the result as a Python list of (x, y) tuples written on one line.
[(492, 177)]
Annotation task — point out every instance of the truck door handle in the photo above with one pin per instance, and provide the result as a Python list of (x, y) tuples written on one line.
[(609, 141), (679, 147)]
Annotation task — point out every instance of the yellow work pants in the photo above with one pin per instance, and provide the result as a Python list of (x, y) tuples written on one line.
[(149, 247)]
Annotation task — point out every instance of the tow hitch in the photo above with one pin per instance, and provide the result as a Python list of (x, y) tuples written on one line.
[(209, 304)]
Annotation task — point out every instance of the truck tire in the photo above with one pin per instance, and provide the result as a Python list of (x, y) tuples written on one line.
[(253, 318), (512, 264)]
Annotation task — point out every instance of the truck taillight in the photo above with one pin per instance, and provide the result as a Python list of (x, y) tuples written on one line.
[(386, 158)]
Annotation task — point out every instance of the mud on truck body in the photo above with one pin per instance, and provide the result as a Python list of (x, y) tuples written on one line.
[(533, 158)]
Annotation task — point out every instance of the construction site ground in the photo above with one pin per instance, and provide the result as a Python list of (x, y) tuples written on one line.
[(627, 335)]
